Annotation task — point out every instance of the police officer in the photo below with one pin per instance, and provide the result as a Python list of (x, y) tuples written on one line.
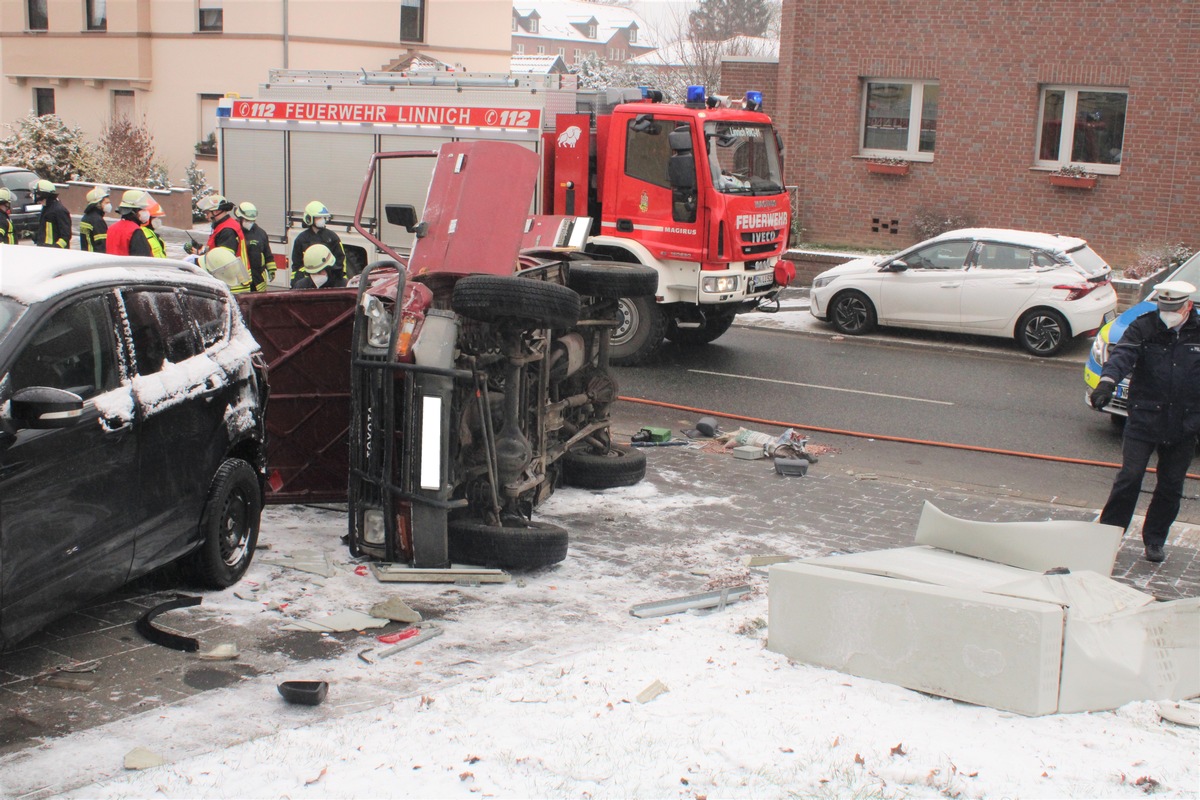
[(54, 224), (1161, 349), (126, 236), (318, 269), (7, 236), (316, 216), (258, 247), (93, 229)]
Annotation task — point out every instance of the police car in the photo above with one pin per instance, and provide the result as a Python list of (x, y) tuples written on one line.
[(1118, 408)]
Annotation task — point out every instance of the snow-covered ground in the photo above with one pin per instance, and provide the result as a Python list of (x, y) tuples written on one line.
[(533, 691)]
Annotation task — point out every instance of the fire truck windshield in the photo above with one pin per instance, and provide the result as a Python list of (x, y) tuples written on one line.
[(743, 158)]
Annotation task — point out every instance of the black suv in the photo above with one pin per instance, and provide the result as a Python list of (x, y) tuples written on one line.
[(132, 399), (18, 180)]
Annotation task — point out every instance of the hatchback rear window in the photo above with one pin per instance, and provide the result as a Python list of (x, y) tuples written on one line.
[(1088, 258)]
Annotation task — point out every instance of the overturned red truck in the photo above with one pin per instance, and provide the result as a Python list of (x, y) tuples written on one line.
[(478, 376)]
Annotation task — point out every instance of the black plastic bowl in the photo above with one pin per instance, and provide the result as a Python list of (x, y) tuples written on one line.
[(304, 693)]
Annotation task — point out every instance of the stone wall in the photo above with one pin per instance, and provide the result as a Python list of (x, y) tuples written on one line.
[(176, 203)]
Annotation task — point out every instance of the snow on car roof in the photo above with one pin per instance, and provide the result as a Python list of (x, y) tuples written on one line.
[(1052, 242), (32, 274)]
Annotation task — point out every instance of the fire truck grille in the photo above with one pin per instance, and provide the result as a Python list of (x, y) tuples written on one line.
[(757, 242)]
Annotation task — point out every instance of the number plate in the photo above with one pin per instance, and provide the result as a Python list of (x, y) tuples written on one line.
[(763, 281)]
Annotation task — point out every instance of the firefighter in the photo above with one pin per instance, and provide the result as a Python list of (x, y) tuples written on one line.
[(226, 231), (316, 216), (258, 248), (93, 230), (54, 224), (6, 227), (126, 236), (318, 268), (150, 230), (226, 265)]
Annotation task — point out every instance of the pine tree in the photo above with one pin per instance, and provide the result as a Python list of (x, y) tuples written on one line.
[(717, 20)]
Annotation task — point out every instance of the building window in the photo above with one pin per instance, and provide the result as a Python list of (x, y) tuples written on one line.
[(412, 20), (899, 118), (1095, 138), (591, 30), (562, 51), (97, 15), (577, 57), (208, 122), (38, 19), (633, 34), (212, 16), (122, 104), (43, 102), (533, 24), (541, 49), (520, 49)]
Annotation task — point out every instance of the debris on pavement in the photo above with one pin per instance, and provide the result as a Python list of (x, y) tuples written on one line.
[(652, 691), (226, 651), (1184, 712), (649, 434), (62, 680), (342, 621), (305, 561), (427, 633), (145, 625), (706, 428), (141, 758), (765, 560), (789, 467), (304, 693), (396, 610), (393, 572), (715, 600)]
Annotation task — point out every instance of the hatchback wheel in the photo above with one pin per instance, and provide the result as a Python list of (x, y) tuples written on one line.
[(229, 527), (852, 313), (1043, 332)]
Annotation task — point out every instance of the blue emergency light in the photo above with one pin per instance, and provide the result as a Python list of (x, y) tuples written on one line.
[(753, 101), (696, 96)]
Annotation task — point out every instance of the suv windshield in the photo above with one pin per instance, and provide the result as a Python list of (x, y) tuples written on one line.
[(743, 158), (18, 179), (10, 312)]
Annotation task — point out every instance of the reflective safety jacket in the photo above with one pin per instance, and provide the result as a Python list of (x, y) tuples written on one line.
[(306, 239), (54, 225), (125, 238), (262, 261), (7, 235), (157, 248), (93, 230)]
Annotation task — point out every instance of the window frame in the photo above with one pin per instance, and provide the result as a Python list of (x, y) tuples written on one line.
[(912, 150), (115, 100), (89, 14), (1066, 134), (38, 95), (217, 25), (421, 7), (43, 15)]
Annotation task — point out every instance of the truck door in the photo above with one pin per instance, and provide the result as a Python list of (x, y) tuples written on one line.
[(655, 193)]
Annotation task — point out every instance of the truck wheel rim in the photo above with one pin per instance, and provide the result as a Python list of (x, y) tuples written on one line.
[(628, 319)]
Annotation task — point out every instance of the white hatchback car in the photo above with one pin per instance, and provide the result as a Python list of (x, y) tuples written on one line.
[(1041, 289)]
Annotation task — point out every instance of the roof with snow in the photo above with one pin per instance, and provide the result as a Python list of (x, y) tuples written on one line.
[(32, 274), (686, 53), (568, 20), (538, 65)]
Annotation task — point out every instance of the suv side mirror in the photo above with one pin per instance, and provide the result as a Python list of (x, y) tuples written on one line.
[(897, 266), (405, 216), (44, 407)]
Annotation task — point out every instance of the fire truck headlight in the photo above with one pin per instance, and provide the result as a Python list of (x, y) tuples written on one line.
[(717, 285), (373, 528), (379, 322)]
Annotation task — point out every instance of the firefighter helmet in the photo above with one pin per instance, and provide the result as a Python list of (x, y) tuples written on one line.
[(210, 202), (5, 195), (318, 257), (135, 199), (223, 263), (246, 211), (155, 209), (96, 196), (315, 209), (43, 186)]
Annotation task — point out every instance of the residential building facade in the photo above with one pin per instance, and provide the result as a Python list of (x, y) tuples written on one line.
[(985, 102), (574, 29), (170, 61)]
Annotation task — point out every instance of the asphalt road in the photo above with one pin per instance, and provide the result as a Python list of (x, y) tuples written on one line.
[(970, 393)]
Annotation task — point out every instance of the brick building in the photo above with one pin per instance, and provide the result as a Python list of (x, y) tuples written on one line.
[(974, 96), (573, 29)]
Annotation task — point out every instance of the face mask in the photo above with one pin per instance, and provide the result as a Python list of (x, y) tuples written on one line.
[(106, 208), (143, 217), (249, 226), (1173, 319), (320, 222), (155, 222), (319, 279)]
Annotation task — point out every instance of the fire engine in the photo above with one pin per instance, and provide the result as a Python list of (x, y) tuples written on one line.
[(694, 190)]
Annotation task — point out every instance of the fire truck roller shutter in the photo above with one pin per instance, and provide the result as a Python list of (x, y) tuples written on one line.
[(329, 166), (252, 170)]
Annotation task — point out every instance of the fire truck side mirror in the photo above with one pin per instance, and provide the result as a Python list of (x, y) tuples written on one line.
[(681, 171), (405, 216)]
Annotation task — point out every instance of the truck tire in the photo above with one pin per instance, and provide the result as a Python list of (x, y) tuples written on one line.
[(519, 544), (228, 527), (639, 332), (588, 468), (714, 328), (497, 298), (611, 279)]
